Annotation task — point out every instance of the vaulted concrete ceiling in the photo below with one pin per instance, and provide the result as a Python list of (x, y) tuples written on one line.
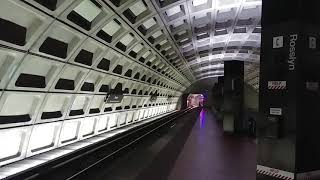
[(196, 36), (60, 60), (209, 32)]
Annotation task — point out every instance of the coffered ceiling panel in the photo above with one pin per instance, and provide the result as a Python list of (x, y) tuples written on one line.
[(213, 31)]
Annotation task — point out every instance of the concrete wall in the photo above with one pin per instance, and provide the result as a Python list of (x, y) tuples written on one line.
[(251, 104), (251, 98)]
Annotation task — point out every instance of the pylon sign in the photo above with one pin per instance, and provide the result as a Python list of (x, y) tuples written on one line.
[(277, 42)]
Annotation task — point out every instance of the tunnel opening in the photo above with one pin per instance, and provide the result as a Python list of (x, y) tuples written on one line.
[(195, 100)]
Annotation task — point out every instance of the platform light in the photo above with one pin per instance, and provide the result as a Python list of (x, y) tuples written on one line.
[(199, 2), (10, 143), (141, 112), (112, 123), (122, 118), (43, 136), (103, 123), (87, 10), (88, 125), (70, 131)]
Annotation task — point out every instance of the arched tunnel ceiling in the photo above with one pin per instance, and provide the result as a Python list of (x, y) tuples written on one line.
[(60, 61), (72, 70), (210, 32), (183, 36), (202, 85)]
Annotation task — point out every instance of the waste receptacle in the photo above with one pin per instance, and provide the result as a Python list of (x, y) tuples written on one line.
[(252, 127)]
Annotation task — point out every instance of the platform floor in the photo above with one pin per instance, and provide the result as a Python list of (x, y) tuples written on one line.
[(194, 148), (208, 154)]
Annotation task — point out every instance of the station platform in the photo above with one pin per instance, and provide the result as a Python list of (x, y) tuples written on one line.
[(192, 148)]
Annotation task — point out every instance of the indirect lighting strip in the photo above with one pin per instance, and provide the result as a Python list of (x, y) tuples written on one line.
[(23, 165)]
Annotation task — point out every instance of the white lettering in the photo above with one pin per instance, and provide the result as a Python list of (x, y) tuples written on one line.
[(292, 52)]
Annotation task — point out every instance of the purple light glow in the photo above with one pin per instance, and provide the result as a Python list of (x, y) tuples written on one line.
[(202, 119)]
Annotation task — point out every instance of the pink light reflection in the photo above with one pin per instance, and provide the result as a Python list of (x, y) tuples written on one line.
[(202, 119)]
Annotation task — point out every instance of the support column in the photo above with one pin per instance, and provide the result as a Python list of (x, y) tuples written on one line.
[(217, 93), (233, 96), (288, 128)]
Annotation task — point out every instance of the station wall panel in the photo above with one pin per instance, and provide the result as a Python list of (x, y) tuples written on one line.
[(44, 137), (15, 140), (27, 77), (70, 132), (88, 127), (19, 108), (58, 42), (59, 62), (54, 107), (9, 61), (24, 26)]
